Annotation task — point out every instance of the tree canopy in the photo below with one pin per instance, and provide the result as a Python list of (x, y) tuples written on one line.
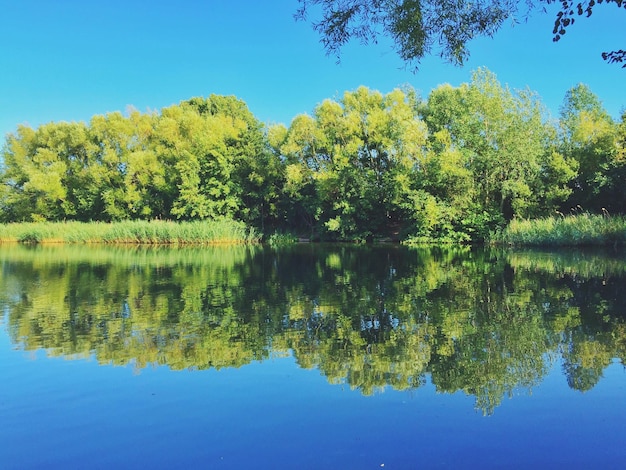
[(420, 27), (203, 158)]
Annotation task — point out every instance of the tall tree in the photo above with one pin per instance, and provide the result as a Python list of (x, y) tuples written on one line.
[(354, 152), (257, 171), (222, 162), (502, 140), (132, 181), (203, 158), (588, 137)]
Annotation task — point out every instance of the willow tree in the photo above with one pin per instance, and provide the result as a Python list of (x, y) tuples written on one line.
[(200, 159), (221, 165), (504, 142), (133, 182), (40, 169), (351, 156), (257, 173)]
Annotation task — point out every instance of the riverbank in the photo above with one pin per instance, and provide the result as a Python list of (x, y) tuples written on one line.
[(154, 232), (572, 230)]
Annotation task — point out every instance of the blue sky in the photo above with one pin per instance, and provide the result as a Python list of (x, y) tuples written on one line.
[(70, 59)]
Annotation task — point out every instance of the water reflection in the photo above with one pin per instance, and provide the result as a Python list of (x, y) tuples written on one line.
[(484, 322)]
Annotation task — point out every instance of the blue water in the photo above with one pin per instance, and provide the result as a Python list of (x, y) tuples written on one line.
[(77, 410), (58, 413)]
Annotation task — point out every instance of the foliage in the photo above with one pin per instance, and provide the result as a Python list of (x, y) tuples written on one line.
[(346, 164), (281, 239), (416, 27), (589, 138), (456, 167), (581, 229), (201, 159), (499, 163), (565, 18), (155, 232)]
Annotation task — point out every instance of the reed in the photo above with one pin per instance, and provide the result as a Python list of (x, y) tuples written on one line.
[(571, 230), (155, 232)]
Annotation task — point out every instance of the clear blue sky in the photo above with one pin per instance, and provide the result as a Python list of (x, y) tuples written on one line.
[(70, 59)]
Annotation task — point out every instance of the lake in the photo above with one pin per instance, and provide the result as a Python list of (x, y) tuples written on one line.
[(312, 356)]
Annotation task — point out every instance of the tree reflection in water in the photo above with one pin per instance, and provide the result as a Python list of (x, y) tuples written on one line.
[(486, 322)]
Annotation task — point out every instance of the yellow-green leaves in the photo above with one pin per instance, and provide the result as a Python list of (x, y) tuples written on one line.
[(354, 149), (204, 158), (589, 137), (365, 165)]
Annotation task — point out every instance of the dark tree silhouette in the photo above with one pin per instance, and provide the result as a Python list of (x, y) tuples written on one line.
[(418, 27), (615, 57), (566, 17)]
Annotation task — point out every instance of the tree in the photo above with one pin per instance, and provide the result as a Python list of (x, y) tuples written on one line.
[(500, 137), (416, 27), (41, 168), (203, 158), (197, 151), (132, 181), (589, 138), (346, 163), (222, 163), (617, 169)]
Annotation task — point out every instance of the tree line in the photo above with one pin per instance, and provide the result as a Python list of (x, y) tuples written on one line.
[(455, 166)]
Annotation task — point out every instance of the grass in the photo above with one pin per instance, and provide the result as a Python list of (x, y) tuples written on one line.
[(155, 232), (572, 230)]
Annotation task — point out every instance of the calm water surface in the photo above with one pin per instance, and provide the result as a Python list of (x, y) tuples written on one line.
[(311, 357)]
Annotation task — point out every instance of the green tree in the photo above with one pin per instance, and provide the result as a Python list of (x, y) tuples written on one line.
[(132, 181), (589, 138), (106, 170), (221, 162), (46, 171), (501, 138), (615, 182), (196, 148), (350, 158), (258, 172), (439, 193), (203, 158), (298, 201)]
